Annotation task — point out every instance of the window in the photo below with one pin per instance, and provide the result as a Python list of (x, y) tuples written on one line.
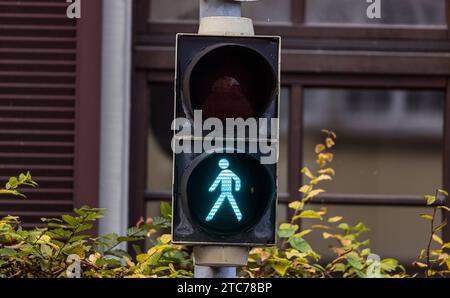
[(389, 143), (382, 85), (393, 12), (174, 10), (379, 133), (159, 152)]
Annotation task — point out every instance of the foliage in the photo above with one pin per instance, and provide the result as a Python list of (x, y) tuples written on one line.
[(435, 262), (45, 252), (296, 258), (51, 251)]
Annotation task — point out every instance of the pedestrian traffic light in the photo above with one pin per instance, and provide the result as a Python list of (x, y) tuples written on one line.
[(225, 144)]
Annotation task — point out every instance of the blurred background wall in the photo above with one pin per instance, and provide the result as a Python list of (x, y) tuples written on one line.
[(390, 129)]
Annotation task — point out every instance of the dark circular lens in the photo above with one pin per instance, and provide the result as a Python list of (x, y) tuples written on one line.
[(230, 81), (228, 193)]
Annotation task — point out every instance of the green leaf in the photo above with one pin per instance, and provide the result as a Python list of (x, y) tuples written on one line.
[(154, 258), (300, 244), (353, 260), (78, 238), (360, 227), (389, 265), (118, 253), (83, 227), (70, 220), (339, 267), (308, 214), (12, 183), (7, 252), (287, 230), (166, 210), (46, 250)]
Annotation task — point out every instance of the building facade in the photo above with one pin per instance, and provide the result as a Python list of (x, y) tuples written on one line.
[(88, 111)]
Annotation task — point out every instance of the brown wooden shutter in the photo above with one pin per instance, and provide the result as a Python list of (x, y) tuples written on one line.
[(41, 105)]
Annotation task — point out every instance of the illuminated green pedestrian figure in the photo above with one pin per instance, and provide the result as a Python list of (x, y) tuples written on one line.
[(226, 178)]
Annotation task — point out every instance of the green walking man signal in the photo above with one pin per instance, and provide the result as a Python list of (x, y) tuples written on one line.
[(225, 178)]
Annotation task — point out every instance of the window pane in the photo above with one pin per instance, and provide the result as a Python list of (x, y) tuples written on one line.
[(389, 141), (171, 10), (159, 156), (393, 12), (268, 11)]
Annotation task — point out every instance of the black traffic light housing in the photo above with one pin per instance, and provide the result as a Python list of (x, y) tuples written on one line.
[(226, 77)]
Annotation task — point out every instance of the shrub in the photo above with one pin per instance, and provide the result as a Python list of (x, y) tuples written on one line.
[(66, 248)]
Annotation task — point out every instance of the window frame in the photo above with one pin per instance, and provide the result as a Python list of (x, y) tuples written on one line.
[(373, 82), (300, 29)]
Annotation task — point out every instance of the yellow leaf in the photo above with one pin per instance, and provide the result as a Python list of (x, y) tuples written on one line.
[(141, 258), (437, 239), (297, 205), (294, 253), (303, 233), (426, 216), (323, 211), (308, 173), (264, 255), (444, 207), (320, 227), (326, 235), (313, 193), (308, 214), (335, 219), (345, 242), (328, 171), (319, 148), (321, 178), (305, 188), (288, 226), (445, 193), (430, 199), (128, 261), (329, 157), (323, 158), (152, 250), (420, 264), (330, 143), (281, 267), (166, 238)]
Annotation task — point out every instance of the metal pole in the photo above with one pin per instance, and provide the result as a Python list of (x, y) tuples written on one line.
[(214, 272), (210, 8)]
